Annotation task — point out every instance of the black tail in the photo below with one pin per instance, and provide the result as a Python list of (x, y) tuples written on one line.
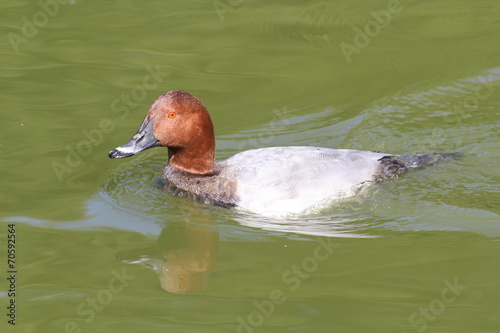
[(412, 161), (394, 165)]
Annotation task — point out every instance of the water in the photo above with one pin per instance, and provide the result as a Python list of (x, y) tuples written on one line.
[(101, 249)]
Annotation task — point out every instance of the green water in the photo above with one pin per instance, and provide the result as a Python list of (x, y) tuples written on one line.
[(420, 254)]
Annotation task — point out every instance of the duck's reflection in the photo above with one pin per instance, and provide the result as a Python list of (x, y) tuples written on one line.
[(184, 255)]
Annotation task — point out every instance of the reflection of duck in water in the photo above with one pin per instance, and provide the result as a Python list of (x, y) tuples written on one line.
[(183, 257)]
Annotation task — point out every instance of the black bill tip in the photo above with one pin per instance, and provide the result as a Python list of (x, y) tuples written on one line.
[(115, 153)]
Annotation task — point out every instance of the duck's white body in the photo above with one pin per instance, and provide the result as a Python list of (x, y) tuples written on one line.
[(291, 180)]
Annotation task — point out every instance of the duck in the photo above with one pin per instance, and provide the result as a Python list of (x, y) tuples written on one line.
[(271, 181)]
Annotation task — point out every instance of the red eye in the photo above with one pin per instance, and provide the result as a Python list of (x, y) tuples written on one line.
[(172, 114)]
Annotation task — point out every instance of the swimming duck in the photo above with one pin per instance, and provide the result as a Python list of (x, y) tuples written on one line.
[(273, 181)]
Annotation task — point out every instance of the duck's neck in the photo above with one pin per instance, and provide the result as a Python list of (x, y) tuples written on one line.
[(199, 161)]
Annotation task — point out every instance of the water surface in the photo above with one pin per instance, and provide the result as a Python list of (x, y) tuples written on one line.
[(420, 254)]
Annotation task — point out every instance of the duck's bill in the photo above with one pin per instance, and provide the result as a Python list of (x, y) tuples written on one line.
[(142, 140)]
